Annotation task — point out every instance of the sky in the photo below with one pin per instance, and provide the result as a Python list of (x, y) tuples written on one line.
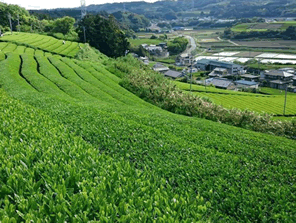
[(49, 4)]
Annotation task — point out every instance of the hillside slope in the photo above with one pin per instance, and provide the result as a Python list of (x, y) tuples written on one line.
[(83, 146), (217, 8)]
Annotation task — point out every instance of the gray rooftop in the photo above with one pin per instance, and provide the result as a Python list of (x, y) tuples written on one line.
[(172, 73), (279, 82), (219, 82), (220, 69), (249, 76), (278, 73), (208, 61), (249, 83)]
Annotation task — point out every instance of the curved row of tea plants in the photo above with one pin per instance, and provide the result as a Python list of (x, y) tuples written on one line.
[(50, 175), (6, 47), (204, 170), (45, 43)]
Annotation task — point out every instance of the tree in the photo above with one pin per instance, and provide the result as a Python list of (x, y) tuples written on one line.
[(103, 34), (63, 25)]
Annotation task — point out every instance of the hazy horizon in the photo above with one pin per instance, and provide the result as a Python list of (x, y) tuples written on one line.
[(37, 4)]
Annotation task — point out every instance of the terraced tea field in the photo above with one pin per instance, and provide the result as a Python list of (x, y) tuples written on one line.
[(6, 47), (76, 147), (272, 104), (45, 43)]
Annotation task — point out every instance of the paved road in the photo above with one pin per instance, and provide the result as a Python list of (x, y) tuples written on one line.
[(192, 45)]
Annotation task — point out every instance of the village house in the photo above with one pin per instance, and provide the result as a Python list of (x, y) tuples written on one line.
[(173, 74), (158, 50), (210, 65), (242, 84), (288, 69), (219, 72), (249, 77), (145, 60), (183, 60), (221, 83), (276, 79), (160, 68)]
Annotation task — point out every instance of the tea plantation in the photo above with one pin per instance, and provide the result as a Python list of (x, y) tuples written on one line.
[(272, 104), (46, 43), (75, 146)]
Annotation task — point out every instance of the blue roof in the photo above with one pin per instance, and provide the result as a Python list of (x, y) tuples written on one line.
[(246, 82)]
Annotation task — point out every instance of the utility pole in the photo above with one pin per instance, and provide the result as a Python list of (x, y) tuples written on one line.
[(83, 14), (9, 17), (285, 99), (191, 60), (18, 23), (84, 33)]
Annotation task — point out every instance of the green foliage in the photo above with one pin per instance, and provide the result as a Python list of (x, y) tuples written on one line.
[(242, 31), (80, 158), (178, 45), (104, 34), (63, 25), (158, 90), (132, 20), (45, 43), (153, 37), (14, 10), (90, 54)]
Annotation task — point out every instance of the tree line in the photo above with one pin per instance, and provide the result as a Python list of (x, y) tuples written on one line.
[(102, 30)]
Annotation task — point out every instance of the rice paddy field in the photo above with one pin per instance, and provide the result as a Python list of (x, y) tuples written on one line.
[(77, 147), (44, 43)]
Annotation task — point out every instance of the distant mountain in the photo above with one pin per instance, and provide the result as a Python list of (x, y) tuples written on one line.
[(169, 9)]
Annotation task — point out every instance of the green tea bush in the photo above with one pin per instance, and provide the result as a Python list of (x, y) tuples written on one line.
[(50, 175)]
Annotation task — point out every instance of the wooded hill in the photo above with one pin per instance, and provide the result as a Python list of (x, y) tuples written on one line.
[(172, 9)]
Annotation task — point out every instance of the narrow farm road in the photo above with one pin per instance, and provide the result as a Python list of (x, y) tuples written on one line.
[(192, 45)]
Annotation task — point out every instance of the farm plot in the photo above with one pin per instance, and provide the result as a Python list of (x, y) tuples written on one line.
[(248, 54), (3, 45), (93, 159), (267, 44), (20, 50), (269, 104), (2, 56), (45, 43), (9, 48), (215, 44), (226, 54)]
